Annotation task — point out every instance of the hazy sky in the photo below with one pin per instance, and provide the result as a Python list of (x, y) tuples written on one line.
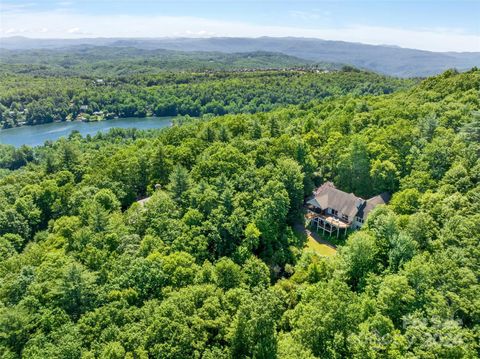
[(439, 25)]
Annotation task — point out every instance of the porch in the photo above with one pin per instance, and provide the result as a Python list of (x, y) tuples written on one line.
[(327, 223)]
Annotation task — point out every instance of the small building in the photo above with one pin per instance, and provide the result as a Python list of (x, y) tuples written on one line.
[(143, 201), (333, 210)]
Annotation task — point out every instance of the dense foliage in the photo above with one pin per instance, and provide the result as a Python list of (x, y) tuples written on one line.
[(385, 59), (31, 99), (210, 266), (101, 61)]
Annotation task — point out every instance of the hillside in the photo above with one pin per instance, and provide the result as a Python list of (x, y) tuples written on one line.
[(388, 60), (210, 267), (29, 98), (108, 61)]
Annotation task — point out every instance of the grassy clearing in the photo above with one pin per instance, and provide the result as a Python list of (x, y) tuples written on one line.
[(333, 238), (319, 248)]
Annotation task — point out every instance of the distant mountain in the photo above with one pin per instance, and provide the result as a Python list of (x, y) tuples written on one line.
[(385, 59), (100, 61)]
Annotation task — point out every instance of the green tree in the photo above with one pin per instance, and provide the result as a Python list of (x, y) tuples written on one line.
[(256, 273), (113, 350), (228, 274), (384, 176), (160, 165), (354, 169), (290, 174), (360, 256), (76, 290), (254, 333), (179, 183)]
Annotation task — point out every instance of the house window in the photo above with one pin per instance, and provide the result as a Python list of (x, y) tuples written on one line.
[(359, 220), (345, 217), (334, 212)]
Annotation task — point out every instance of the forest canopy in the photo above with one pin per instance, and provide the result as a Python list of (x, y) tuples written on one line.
[(211, 266), (44, 87)]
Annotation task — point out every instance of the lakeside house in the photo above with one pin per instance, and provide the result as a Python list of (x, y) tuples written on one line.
[(333, 210)]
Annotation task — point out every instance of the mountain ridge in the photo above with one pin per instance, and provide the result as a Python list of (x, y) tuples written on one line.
[(385, 59)]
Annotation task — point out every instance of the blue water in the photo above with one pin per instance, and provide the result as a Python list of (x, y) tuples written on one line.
[(37, 135)]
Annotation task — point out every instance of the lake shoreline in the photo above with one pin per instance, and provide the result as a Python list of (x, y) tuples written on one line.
[(36, 135), (80, 120)]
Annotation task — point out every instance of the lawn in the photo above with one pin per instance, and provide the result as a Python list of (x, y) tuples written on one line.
[(319, 248)]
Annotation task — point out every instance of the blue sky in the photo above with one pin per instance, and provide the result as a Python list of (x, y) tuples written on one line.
[(439, 25)]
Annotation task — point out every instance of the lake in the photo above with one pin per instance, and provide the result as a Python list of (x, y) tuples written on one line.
[(38, 134)]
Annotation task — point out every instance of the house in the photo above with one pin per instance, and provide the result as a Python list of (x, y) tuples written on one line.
[(144, 200), (333, 210)]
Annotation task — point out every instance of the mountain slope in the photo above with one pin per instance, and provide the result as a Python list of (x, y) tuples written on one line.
[(88, 60), (209, 266), (384, 59)]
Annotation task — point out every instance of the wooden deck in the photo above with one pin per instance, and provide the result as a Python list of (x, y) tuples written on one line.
[(327, 223), (334, 221)]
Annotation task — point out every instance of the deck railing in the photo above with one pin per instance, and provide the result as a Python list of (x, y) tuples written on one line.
[(327, 223)]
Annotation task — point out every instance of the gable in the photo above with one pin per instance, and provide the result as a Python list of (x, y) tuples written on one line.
[(371, 203), (327, 196), (330, 197)]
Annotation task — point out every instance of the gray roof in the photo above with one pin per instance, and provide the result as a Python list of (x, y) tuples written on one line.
[(327, 196), (314, 202), (143, 201), (371, 203)]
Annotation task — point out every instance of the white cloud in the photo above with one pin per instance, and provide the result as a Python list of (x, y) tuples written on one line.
[(66, 24), (304, 15), (78, 31), (312, 15), (74, 30), (12, 7), (190, 33)]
